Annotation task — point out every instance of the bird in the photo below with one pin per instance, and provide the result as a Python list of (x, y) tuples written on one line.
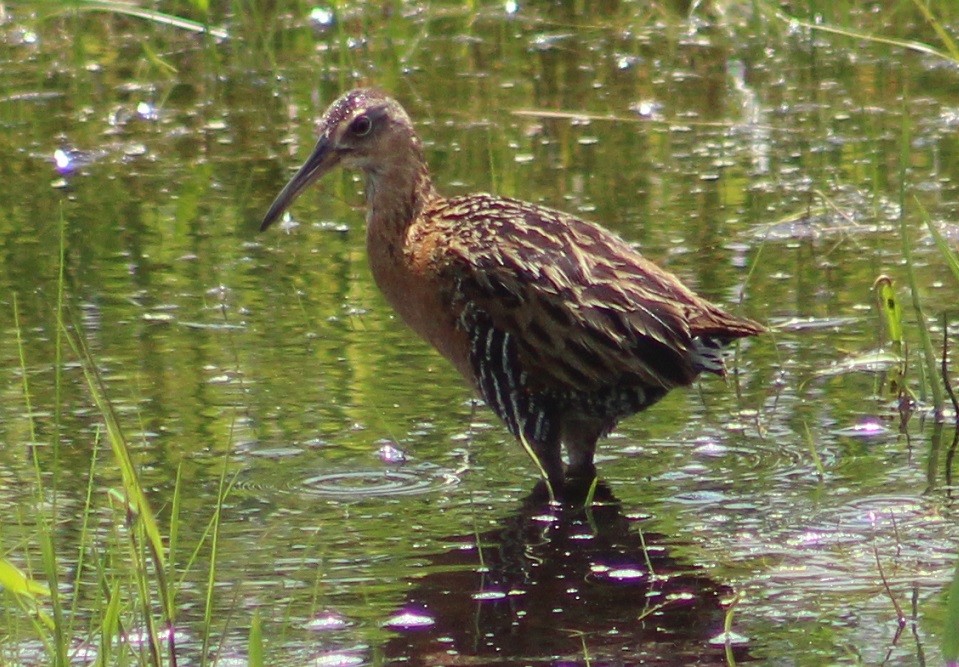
[(560, 326)]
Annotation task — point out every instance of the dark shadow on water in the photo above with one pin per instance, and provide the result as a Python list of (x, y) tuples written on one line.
[(560, 585)]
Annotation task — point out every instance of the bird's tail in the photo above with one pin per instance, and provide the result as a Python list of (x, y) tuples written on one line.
[(713, 334), (710, 353)]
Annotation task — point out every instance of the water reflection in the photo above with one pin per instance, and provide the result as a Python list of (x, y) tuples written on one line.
[(562, 585)]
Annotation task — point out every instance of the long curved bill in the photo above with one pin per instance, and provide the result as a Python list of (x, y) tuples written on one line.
[(321, 160)]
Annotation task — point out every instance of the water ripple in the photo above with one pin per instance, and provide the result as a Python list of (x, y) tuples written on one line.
[(378, 482), (844, 548)]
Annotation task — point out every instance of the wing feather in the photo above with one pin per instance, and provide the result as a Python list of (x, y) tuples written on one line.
[(586, 310)]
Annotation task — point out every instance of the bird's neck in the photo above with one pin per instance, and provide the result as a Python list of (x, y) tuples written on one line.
[(397, 190)]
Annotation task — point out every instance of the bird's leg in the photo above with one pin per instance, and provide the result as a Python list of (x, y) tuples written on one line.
[(580, 436), (546, 457)]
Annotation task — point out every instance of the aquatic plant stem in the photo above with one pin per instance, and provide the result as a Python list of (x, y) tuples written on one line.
[(224, 489), (946, 382), (900, 616), (255, 656), (908, 44), (951, 47), (950, 632), (929, 355), (817, 460), (728, 628), (928, 352), (140, 514), (131, 9), (47, 550)]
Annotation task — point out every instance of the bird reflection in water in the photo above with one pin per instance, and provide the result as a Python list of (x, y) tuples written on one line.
[(563, 585)]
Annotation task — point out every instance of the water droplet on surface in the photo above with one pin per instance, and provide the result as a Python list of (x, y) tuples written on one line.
[(322, 17), (337, 660), (626, 574), (732, 638), (389, 452), (694, 469), (326, 621), (134, 150), (158, 317), (647, 108), (287, 224), (707, 447), (68, 160), (865, 429), (698, 497), (489, 595), (62, 160), (147, 111), (410, 619), (277, 452)]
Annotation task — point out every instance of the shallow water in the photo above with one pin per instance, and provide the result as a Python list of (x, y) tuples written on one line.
[(378, 515)]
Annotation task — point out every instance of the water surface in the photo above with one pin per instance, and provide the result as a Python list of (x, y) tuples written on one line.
[(378, 514)]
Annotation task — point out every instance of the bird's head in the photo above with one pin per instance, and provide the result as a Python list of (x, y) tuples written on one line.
[(361, 130)]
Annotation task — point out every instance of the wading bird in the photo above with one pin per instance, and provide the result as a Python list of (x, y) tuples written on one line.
[(559, 325)]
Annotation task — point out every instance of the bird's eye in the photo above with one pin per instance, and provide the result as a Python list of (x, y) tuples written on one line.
[(361, 126)]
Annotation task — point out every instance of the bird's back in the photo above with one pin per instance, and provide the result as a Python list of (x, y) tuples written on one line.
[(586, 310)]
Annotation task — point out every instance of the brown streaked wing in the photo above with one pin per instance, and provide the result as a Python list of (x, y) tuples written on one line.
[(586, 310)]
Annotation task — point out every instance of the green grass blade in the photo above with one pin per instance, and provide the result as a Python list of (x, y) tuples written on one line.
[(130, 9), (591, 494), (911, 45), (51, 570), (121, 451), (16, 581), (25, 380), (143, 589), (175, 513), (225, 487), (110, 624), (135, 499), (939, 29), (928, 353), (728, 628), (950, 632), (814, 453), (891, 311), (28, 593), (255, 650), (952, 259), (58, 648)]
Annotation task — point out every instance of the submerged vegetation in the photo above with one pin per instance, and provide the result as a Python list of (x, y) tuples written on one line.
[(177, 389)]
